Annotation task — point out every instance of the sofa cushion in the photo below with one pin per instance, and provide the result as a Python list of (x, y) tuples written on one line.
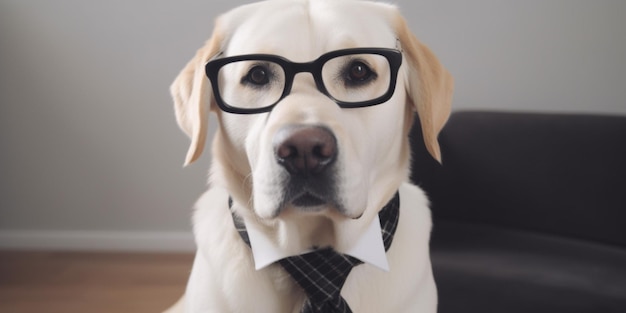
[(480, 268)]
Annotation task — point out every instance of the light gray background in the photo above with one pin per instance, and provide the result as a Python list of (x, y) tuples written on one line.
[(89, 146)]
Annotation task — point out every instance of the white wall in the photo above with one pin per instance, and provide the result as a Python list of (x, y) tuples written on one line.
[(90, 154)]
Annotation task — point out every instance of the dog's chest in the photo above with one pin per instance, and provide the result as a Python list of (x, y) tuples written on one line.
[(275, 292)]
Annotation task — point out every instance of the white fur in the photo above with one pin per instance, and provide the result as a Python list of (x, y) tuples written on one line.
[(372, 164)]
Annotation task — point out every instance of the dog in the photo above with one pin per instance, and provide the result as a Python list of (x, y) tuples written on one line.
[(314, 100)]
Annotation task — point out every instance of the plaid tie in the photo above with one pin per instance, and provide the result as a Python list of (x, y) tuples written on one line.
[(322, 273)]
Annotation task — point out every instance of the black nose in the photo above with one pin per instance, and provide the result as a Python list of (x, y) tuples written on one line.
[(305, 150)]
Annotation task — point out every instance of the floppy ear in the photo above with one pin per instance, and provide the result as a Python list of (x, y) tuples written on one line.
[(429, 86), (192, 96)]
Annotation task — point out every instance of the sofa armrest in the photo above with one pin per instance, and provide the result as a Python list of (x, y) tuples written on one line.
[(555, 173)]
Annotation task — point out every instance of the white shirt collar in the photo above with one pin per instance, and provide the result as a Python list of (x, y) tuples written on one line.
[(368, 248)]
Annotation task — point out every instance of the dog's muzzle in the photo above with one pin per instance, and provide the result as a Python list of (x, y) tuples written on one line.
[(308, 154)]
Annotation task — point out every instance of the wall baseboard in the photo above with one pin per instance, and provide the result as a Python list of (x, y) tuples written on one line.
[(123, 241)]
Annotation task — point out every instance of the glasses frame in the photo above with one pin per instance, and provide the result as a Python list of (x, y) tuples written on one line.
[(393, 56)]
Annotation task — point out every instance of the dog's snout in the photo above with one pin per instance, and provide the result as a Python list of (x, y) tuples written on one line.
[(305, 150)]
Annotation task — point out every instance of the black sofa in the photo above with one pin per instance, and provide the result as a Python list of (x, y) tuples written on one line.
[(529, 212)]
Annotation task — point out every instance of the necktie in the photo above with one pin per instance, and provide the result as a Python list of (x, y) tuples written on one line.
[(322, 273)]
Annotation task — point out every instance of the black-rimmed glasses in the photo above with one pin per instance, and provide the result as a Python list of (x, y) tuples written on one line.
[(255, 83)]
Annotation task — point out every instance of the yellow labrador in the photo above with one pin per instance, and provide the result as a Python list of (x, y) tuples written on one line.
[(314, 99)]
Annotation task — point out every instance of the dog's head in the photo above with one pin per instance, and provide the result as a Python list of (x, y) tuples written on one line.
[(312, 126)]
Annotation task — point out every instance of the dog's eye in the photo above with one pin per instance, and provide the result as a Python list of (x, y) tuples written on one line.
[(258, 75), (358, 73)]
